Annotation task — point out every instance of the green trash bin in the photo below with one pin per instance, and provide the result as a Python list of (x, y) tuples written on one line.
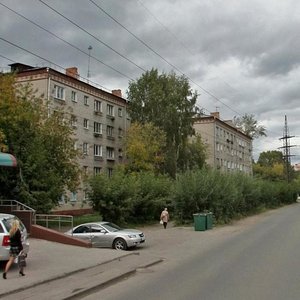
[(209, 220), (200, 222)]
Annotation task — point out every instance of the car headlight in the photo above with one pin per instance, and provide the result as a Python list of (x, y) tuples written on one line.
[(131, 236)]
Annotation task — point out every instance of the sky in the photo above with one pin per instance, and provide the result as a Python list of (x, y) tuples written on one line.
[(241, 56)]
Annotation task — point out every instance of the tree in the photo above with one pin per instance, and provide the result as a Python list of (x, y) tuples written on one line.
[(194, 155), (145, 145), (42, 144), (269, 158), (270, 165), (167, 101), (249, 126)]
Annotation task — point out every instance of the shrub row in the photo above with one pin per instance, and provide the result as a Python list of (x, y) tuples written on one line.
[(140, 197)]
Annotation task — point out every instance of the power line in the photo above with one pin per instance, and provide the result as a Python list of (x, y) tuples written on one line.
[(165, 60), (47, 60), (66, 42), (93, 36)]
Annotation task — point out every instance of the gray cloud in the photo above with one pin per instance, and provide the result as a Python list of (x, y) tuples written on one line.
[(245, 53)]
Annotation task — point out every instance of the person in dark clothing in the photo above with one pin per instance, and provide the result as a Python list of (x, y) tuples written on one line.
[(15, 247)]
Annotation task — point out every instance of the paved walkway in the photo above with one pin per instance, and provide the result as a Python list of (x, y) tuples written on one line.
[(48, 261)]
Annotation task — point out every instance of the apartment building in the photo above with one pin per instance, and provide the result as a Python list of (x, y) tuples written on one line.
[(229, 149), (99, 119)]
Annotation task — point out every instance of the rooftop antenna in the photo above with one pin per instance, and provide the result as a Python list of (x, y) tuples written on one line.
[(88, 72)]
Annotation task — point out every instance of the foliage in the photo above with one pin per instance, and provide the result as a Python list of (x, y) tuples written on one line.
[(167, 101), (271, 165), (227, 196), (193, 155), (42, 144), (269, 158), (134, 197), (249, 126), (145, 145)]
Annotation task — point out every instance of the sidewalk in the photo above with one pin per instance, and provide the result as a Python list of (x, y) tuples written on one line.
[(48, 261)]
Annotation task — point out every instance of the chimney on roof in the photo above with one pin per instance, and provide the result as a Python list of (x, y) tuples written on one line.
[(73, 72), (117, 93), (215, 114)]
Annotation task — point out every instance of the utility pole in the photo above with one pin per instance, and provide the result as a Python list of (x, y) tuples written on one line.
[(286, 150)]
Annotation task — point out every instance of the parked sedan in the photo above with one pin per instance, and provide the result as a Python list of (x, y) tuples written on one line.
[(6, 221), (106, 234)]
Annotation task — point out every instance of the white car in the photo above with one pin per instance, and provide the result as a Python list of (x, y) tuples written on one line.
[(106, 234), (5, 225)]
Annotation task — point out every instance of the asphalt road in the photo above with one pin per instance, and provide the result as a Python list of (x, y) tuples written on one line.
[(256, 259)]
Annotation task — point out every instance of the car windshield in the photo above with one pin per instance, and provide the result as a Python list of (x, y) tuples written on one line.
[(111, 227)]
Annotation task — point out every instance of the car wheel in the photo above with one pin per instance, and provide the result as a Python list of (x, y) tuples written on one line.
[(120, 244)]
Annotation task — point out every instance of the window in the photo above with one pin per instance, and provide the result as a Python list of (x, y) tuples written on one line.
[(110, 110), (109, 130), (85, 148), (110, 172), (85, 170), (85, 100), (85, 123), (97, 170), (97, 127), (73, 197), (73, 96), (85, 195), (110, 153), (73, 121), (120, 132), (120, 112), (97, 106), (97, 150), (59, 92)]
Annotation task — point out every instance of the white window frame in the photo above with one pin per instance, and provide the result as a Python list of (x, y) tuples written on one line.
[(110, 110), (59, 92), (73, 197), (85, 148), (97, 170), (73, 96), (86, 100), (97, 105), (110, 152), (120, 112), (98, 150), (86, 123), (109, 130), (98, 128)]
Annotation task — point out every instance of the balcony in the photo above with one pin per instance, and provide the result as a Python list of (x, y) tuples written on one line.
[(97, 134), (98, 112)]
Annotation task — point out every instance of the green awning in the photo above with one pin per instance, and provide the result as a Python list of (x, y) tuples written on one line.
[(7, 160)]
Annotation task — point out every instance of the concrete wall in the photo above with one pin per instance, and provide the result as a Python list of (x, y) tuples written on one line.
[(40, 232)]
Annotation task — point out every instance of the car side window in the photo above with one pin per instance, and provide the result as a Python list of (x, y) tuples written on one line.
[(82, 229), (1, 228), (95, 228)]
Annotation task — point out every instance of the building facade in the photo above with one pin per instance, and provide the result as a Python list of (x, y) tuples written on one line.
[(228, 148), (99, 119)]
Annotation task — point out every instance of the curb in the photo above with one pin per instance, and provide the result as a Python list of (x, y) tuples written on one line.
[(96, 288), (63, 275)]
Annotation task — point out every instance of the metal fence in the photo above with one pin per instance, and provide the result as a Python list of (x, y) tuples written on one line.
[(57, 222)]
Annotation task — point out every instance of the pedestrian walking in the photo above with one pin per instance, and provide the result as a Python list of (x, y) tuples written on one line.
[(15, 247), (164, 217)]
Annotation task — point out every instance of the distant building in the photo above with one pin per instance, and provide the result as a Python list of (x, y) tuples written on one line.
[(99, 119), (229, 149), (297, 167)]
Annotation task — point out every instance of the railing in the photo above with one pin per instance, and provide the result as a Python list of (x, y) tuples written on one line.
[(56, 222), (16, 205)]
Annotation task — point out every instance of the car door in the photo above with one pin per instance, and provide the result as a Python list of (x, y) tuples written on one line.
[(82, 232), (99, 236)]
